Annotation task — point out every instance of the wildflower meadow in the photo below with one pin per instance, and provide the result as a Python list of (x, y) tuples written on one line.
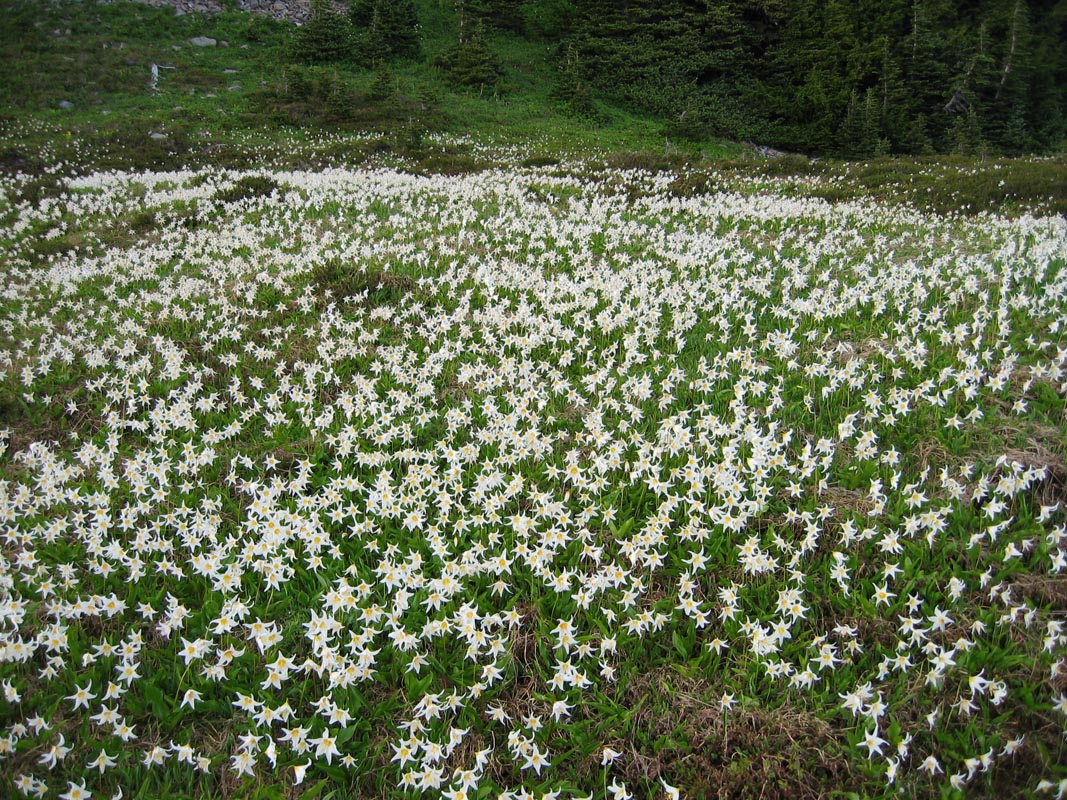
[(534, 482)]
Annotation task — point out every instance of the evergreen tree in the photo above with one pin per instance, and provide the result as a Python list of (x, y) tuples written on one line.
[(340, 99), (874, 143), (382, 88), (298, 87), (976, 75), (916, 140), (810, 89), (966, 134), (650, 54), (326, 38), (386, 29), (552, 20), (848, 76), (724, 31), (1007, 110), (394, 29), (892, 93), (361, 12), (472, 62), (505, 15), (812, 119), (850, 132), (573, 90), (927, 73)]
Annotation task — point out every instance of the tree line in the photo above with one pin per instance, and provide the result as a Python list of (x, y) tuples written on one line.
[(854, 78)]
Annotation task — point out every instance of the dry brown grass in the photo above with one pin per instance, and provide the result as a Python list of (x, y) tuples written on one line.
[(1048, 591), (749, 751)]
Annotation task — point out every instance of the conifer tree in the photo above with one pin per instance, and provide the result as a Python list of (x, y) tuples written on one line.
[(472, 62), (572, 90), (382, 88), (966, 134), (814, 76), (850, 132), (326, 38), (339, 99), (1007, 110), (927, 74), (916, 140)]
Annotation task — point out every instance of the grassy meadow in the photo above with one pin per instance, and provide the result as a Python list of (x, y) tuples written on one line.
[(526, 457)]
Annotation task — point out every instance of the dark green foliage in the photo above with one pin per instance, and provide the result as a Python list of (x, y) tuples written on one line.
[(339, 99), (326, 96), (326, 38), (851, 78), (691, 125), (361, 12), (573, 90), (859, 133), (297, 85), (308, 94), (966, 134), (472, 62), (343, 283), (647, 54), (549, 19), (33, 191), (943, 184), (385, 29), (382, 88), (504, 15), (847, 77), (915, 139)]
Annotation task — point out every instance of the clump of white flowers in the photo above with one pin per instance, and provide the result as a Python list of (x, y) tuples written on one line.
[(388, 468)]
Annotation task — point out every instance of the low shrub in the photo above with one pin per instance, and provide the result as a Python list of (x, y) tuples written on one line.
[(247, 188)]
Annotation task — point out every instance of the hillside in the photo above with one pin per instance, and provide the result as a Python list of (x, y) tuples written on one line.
[(85, 71), (916, 78)]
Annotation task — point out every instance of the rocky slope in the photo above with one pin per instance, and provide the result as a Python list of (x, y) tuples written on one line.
[(292, 10)]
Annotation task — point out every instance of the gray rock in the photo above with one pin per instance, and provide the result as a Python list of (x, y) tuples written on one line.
[(66, 104), (157, 136), (203, 41), (229, 71), (235, 87)]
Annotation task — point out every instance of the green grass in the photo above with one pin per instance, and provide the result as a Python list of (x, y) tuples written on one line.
[(210, 115)]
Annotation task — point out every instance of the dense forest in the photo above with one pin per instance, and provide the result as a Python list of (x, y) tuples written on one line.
[(854, 78)]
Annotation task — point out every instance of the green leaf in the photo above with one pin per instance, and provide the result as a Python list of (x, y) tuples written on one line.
[(157, 701), (345, 734), (680, 644)]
